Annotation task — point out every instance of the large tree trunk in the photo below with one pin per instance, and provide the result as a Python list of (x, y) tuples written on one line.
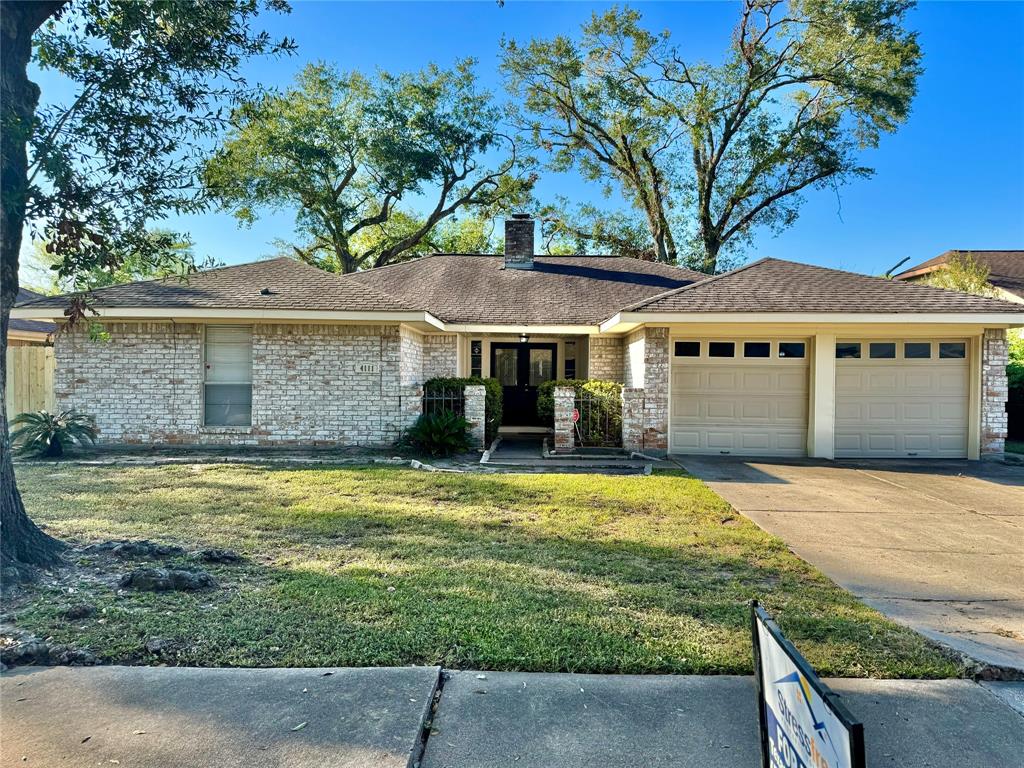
[(21, 542)]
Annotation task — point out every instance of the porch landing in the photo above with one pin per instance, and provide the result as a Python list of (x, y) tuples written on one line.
[(528, 452)]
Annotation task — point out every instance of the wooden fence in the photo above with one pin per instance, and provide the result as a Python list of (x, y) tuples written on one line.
[(29, 379)]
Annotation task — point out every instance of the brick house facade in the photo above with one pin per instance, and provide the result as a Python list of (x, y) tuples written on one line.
[(320, 359)]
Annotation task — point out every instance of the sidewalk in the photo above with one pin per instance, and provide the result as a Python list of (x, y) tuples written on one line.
[(161, 717)]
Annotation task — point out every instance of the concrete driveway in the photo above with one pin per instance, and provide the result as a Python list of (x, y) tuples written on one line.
[(936, 545)]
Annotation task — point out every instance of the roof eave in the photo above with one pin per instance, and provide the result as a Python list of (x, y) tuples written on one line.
[(24, 335), (537, 329), (212, 313), (626, 321)]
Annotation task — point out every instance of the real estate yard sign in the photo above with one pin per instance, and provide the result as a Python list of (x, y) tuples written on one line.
[(803, 723)]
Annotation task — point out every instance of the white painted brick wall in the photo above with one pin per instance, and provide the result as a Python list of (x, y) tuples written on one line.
[(605, 358), (145, 384), (440, 356)]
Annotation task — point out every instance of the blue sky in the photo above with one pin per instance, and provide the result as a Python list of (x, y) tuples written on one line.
[(953, 177)]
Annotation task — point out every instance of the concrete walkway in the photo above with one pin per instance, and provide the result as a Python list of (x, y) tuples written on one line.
[(936, 545), (167, 717), (578, 721), (374, 718)]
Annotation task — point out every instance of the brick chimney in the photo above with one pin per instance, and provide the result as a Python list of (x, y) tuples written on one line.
[(519, 241)]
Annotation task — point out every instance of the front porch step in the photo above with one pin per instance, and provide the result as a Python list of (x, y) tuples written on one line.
[(541, 462)]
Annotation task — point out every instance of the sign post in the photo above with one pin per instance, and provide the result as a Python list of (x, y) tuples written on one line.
[(803, 723)]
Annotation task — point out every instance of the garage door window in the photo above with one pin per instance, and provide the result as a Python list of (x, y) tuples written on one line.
[(848, 350), (687, 349), (949, 350), (757, 349), (882, 350), (791, 349), (722, 349), (917, 350)]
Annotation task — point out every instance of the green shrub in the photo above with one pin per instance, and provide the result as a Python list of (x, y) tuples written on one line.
[(546, 394), (46, 434), (1015, 366), (440, 434), (601, 422), (493, 398)]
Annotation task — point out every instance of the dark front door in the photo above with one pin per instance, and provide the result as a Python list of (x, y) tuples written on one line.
[(521, 368)]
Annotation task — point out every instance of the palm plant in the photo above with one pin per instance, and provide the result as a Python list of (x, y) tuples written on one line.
[(46, 434)]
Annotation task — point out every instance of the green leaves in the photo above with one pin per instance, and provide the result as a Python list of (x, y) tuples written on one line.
[(46, 434), (344, 151), (152, 82), (440, 434), (707, 152)]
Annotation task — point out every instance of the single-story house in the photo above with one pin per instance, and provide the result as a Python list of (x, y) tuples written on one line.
[(774, 358), (1006, 270)]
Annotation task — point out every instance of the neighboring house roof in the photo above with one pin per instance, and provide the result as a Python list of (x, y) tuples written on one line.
[(1006, 268), (774, 285), (472, 288), (30, 326), (291, 285)]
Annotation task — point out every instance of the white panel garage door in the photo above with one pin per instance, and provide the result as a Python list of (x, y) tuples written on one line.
[(741, 397), (902, 398)]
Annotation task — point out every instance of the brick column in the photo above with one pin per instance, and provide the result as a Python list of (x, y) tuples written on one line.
[(565, 401), (656, 368), (994, 392), (475, 397), (633, 419)]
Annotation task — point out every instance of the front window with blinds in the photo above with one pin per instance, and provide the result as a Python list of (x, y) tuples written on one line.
[(228, 385)]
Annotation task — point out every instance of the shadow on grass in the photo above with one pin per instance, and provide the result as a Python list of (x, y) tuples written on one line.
[(393, 567)]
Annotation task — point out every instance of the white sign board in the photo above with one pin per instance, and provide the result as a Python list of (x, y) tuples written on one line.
[(803, 725)]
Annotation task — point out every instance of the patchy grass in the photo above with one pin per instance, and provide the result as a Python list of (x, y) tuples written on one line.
[(1014, 446), (385, 566)]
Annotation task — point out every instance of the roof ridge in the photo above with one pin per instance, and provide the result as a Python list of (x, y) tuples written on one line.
[(709, 279)]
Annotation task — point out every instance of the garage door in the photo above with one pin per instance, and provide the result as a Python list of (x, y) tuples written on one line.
[(739, 396), (902, 398)]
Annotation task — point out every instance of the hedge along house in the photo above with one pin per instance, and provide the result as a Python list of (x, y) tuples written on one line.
[(775, 358)]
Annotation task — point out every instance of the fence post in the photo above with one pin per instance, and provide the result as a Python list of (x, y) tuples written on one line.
[(633, 419), (565, 402), (475, 413)]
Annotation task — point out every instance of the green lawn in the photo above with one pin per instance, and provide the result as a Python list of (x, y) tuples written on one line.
[(385, 566), (1014, 446)]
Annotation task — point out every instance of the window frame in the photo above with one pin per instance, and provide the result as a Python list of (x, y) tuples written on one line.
[(780, 356), (472, 355), (205, 362), (874, 342), (962, 342), (732, 356), (860, 350), (930, 343), (698, 342), (768, 342)]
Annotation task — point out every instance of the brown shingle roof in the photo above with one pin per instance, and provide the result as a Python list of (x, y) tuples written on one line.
[(470, 288), (292, 285), (1006, 268), (773, 285), (30, 326)]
